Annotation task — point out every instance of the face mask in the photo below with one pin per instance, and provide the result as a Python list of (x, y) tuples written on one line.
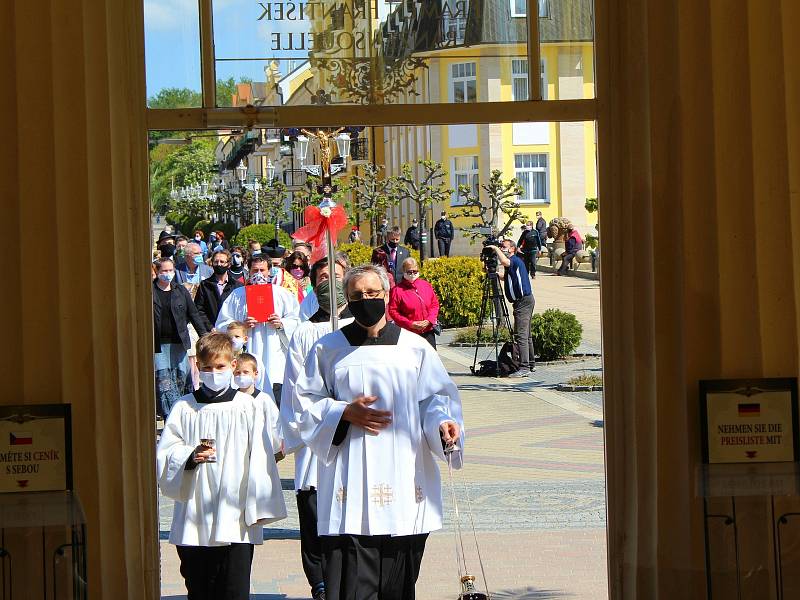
[(410, 277), (212, 238), (258, 278), (220, 269), (166, 277), (273, 272), (216, 381), (198, 259), (167, 250), (180, 252), (237, 260), (297, 273), (392, 244), (238, 344), (368, 311), (243, 381), (323, 290), (197, 238)]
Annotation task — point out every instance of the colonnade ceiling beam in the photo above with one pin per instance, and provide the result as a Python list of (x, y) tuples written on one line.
[(333, 115), (534, 51), (207, 59)]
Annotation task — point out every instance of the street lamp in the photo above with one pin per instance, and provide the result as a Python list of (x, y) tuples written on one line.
[(241, 172)]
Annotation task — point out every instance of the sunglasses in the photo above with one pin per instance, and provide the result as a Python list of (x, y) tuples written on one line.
[(412, 272)]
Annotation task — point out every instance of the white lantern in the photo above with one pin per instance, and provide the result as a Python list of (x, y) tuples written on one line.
[(343, 144), (241, 171), (270, 170), (302, 148)]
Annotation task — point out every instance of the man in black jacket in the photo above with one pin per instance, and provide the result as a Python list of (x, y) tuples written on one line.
[(214, 290), (444, 232), (529, 244), (541, 227), (412, 236), (395, 253)]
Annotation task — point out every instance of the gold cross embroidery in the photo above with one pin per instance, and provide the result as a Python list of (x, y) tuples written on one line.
[(382, 494), (341, 495), (419, 495)]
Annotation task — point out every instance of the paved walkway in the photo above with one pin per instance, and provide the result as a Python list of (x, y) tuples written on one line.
[(534, 475)]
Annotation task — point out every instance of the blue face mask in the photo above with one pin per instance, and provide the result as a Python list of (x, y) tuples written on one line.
[(198, 259)]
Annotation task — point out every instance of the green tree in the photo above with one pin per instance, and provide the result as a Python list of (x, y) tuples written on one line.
[(272, 202), (226, 88), (183, 166), (430, 188), (502, 202), (372, 195)]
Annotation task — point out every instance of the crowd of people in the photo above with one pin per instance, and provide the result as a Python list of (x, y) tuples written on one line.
[(366, 409), (238, 390)]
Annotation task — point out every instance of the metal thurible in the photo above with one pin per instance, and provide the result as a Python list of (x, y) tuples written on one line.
[(468, 591)]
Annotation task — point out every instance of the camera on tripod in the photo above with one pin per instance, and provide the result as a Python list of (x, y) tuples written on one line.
[(488, 255)]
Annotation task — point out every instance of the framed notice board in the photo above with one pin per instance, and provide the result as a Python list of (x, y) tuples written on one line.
[(35, 448), (749, 420)]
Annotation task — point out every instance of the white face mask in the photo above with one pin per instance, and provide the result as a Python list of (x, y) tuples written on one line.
[(258, 278), (410, 277), (238, 344), (216, 381), (243, 381)]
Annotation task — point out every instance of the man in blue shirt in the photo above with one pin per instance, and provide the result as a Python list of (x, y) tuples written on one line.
[(518, 290)]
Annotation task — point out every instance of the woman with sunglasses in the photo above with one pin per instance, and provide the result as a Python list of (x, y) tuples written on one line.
[(413, 304)]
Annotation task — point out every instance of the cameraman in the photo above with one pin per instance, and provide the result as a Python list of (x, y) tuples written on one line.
[(518, 291)]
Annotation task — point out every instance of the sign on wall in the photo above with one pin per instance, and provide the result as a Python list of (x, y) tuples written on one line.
[(749, 420), (35, 448)]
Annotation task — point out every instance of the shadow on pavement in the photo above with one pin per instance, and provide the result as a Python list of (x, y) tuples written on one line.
[(252, 597), (529, 593)]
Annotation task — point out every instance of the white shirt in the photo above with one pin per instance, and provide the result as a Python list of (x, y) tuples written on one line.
[(227, 501), (263, 340), (309, 306), (385, 484)]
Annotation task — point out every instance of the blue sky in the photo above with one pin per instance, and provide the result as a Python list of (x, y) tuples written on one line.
[(172, 38)]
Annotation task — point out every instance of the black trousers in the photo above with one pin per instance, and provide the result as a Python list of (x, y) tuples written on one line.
[(310, 544), (566, 262), (372, 567), (444, 246), (276, 391), (530, 262), (217, 572), (431, 337)]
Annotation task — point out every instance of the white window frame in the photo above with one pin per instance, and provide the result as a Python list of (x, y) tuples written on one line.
[(537, 169), (544, 9), (472, 175), (463, 80), (517, 64)]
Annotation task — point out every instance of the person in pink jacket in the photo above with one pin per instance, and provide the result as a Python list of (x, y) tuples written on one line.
[(413, 304)]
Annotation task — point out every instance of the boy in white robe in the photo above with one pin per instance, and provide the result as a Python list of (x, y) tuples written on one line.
[(305, 473), (375, 404), (268, 341), (215, 460), (245, 378)]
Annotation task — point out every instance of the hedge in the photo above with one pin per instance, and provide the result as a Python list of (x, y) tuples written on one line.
[(555, 333), (358, 253), (458, 283), (229, 229), (262, 232)]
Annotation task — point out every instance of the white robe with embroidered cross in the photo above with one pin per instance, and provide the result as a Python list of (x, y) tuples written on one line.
[(264, 340), (389, 483), (227, 501)]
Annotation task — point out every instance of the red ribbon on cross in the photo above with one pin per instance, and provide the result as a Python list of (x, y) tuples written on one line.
[(318, 223)]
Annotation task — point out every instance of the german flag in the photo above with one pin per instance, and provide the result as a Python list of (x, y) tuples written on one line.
[(752, 409)]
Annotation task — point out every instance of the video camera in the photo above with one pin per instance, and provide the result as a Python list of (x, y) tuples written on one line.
[(488, 255)]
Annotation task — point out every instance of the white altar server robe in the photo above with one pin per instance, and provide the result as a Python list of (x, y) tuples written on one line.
[(264, 340), (385, 484), (305, 463), (227, 501)]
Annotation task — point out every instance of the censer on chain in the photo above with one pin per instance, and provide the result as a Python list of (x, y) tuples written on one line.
[(469, 591)]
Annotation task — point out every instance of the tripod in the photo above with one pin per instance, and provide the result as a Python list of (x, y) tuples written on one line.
[(493, 305)]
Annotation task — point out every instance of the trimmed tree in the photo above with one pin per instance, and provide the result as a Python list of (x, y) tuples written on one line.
[(372, 195), (429, 188), (502, 203)]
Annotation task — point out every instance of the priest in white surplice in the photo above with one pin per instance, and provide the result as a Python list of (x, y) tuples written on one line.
[(376, 405), (268, 341)]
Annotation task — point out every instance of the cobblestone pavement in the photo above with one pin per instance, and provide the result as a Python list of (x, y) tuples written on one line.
[(534, 476)]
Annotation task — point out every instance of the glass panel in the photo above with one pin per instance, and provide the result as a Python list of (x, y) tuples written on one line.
[(366, 51), (567, 48), (172, 53)]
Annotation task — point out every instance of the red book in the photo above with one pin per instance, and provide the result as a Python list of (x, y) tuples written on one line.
[(260, 303)]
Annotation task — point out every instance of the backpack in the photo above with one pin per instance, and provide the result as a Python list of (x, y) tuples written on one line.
[(508, 359)]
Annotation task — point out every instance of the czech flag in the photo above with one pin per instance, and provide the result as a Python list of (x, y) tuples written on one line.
[(750, 410), (20, 439)]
